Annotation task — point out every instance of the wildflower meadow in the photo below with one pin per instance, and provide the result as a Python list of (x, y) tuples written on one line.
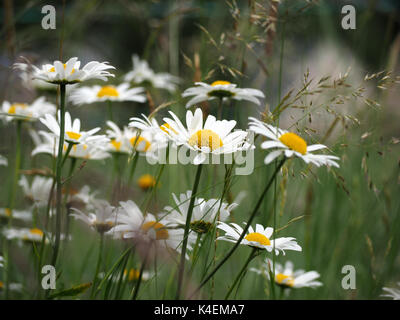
[(188, 150)]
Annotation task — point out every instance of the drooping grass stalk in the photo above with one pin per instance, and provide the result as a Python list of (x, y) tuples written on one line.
[(186, 232), (253, 253), (99, 258), (58, 175), (236, 245)]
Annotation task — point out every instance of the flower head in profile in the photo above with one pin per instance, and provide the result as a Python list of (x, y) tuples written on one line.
[(46, 142), (122, 92), (102, 219), (72, 133), (27, 111), (70, 72), (143, 74), (393, 293), (220, 89), (28, 234), (23, 215), (38, 191), (289, 144), (259, 237), (287, 277), (205, 214), (214, 137)]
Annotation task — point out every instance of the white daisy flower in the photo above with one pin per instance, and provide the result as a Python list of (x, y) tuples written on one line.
[(393, 293), (259, 238), (45, 142), (70, 72), (220, 89), (289, 144), (160, 132), (24, 111), (130, 275), (132, 224), (1, 261), (26, 75), (3, 161), (205, 212), (122, 92), (85, 196), (142, 74), (73, 133), (286, 277), (23, 215), (212, 138), (102, 219), (38, 191)]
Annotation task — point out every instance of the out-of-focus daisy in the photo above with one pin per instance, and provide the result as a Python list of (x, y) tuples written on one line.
[(3, 161), (1, 261), (26, 75), (213, 138), (85, 196), (393, 293), (23, 215), (220, 89), (102, 218), (73, 133), (143, 74), (132, 224), (259, 238), (27, 235), (130, 275), (205, 212), (160, 132), (286, 277), (289, 144), (27, 111), (45, 142), (146, 182), (70, 72), (12, 286), (122, 92), (38, 191)]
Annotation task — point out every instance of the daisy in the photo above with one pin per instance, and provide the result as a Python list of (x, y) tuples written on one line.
[(132, 224), (150, 124), (73, 133), (289, 144), (146, 182), (212, 138), (26, 75), (393, 293), (130, 275), (12, 286), (23, 215), (3, 161), (38, 191), (85, 196), (258, 238), (102, 218), (24, 111), (142, 74), (28, 235), (122, 92), (1, 261), (45, 142), (222, 90), (205, 212), (70, 72), (286, 277)]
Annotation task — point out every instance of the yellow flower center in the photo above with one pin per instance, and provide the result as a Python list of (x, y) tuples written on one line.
[(206, 138), (1, 285), (294, 142), (220, 82), (137, 143), (283, 279), (73, 135), (7, 211), (116, 144), (258, 237), (107, 91), (146, 181), (166, 126), (159, 228), (52, 69), (36, 231), (13, 107), (133, 274)]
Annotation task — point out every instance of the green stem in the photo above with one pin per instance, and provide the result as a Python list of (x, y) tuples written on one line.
[(109, 109), (58, 174), (257, 206), (186, 232), (96, 274), (139, 281), (251, 256)]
